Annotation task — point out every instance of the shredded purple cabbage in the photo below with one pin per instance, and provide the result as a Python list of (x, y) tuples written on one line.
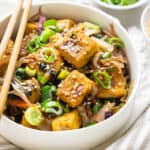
[(40, 23), (108, 114)]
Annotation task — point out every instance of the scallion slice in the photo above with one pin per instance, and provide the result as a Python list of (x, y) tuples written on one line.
[(33, 116)]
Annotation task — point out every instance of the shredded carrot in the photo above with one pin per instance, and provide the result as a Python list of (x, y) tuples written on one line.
[(18, 103)]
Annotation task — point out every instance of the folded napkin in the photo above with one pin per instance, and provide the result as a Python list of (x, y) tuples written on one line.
[(136, 134)]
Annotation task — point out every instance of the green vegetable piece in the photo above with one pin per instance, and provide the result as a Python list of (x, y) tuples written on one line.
[(106, 55), (92, 26), (116, 2), (53, 107), (34, 44), (42, 78), (66, 109), (30, 72), (50, 24), (20, 73), (44, 37), (57, 29), (97, 107), (105, 1), (63, 74), (129, 2), (91, 123), (33, 116), (120, 2), (106, 84), (53, 89), (46, 93), (48, 55), (116, 41), (45, 102)]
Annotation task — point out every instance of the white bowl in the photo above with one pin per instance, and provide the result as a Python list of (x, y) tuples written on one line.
[(114, 7), (145, 20), (85, 138)]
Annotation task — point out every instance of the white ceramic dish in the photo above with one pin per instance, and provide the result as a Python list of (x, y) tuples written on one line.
[(114, 7), (145, 20), (85, 138)]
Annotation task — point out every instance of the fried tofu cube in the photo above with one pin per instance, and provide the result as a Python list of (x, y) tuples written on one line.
[(118, 87), (74, 88), (65, 24), (31, 27), (67, 121), (5, 58), (78, 49)]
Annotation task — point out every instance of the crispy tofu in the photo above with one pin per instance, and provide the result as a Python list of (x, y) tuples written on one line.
[(88, 28), (65, 24), (118, 88), (78, 48), (67, 121), (31, 27), (5, 58), (74, 88)]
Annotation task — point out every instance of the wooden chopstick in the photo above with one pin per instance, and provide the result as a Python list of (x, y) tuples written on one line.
[(13, 58), (10, 28)]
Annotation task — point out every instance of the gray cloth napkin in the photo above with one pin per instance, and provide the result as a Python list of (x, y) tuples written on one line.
[(133, 135)]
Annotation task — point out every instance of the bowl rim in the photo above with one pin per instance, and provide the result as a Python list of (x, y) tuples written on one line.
[(130, 98), (143, 22), (114, 7)]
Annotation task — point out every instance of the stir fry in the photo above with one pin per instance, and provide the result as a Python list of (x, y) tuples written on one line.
[(69, 75)]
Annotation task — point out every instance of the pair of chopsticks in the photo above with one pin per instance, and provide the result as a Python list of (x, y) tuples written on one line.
[(15, 52)]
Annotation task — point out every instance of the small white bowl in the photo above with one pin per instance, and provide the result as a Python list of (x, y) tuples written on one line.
[(84, 138), (115, 7), (145, 20)]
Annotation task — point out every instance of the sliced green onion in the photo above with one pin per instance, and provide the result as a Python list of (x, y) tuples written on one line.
[(53, 107), (33, 116), (34, 44), (53, 89), (106, 84), (66, 109), (91, 123), (120, 2), (106, 55), (30, 72), (116, 41), (116, 2), (48, 55), (63, 74), (92, 26), (129, 2), (45, 102), (51, 24), (44, 37), (42, 78), (105, 1), (97, 107), (46, 93)]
